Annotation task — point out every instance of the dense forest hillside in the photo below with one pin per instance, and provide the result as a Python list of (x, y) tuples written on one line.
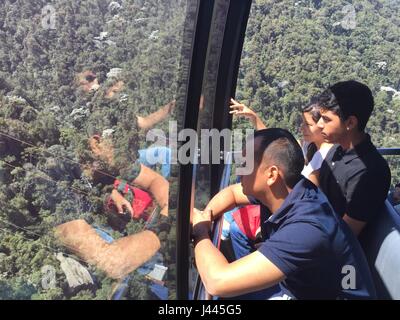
[(294, 49), (59, 63)]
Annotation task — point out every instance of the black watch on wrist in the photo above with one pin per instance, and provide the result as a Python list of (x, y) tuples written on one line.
[(199, 236)]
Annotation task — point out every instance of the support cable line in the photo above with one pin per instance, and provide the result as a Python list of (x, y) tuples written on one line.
[(55, 156)]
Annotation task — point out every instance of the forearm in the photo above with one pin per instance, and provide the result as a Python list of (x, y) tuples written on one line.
[(227, 199), (258, 124), (151, 120), (221, 278), (159, 188), (251, 273), (314, 178), (211, 264), (117, 259)]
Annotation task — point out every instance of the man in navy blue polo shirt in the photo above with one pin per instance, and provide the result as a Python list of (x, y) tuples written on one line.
[(309, 252), (354, 176)]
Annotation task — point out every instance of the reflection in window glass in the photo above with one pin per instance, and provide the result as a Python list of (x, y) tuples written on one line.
[(83, 204), (294, 49)]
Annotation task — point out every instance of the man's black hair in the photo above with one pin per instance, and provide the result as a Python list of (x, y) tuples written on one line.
[(397, 185), (349, 98), (281, 148)]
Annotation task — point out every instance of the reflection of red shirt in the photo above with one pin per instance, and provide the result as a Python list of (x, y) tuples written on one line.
[(140, 203)]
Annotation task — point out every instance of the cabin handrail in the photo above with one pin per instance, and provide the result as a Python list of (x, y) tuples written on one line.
[(389, 151)]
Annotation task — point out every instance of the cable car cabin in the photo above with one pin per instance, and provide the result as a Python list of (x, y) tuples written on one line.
[(115, 123)]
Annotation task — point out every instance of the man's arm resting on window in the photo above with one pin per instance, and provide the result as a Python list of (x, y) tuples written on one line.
[(251, 273)]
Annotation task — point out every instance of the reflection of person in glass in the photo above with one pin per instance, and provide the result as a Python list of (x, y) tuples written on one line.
[(102, 163), (113, 90), (136, 174), (114, 94)]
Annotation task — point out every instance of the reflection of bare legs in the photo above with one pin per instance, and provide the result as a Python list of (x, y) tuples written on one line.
[(117, 259)]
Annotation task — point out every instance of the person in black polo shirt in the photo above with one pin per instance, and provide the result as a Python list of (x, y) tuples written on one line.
[(355, 177), (308, 251)]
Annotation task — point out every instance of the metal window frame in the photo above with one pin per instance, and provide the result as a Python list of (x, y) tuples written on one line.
[(193, 93), (228, 70), (235, 32)]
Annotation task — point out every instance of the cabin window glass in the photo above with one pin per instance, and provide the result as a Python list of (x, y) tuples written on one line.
[(84, 191), (295, 49)]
